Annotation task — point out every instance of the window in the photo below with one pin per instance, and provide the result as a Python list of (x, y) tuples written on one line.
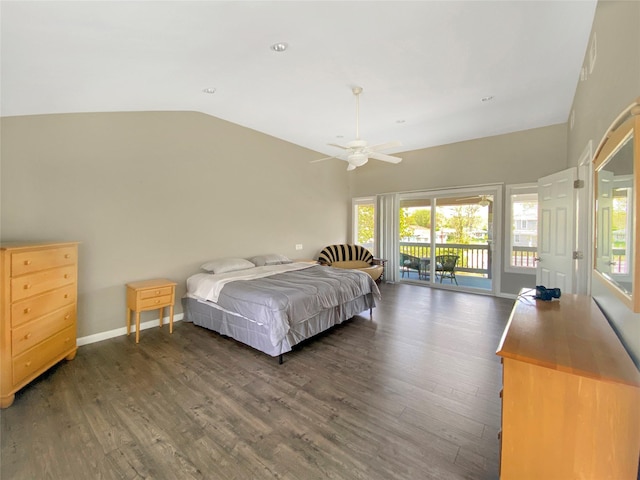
[(522, 218), (364, 223)]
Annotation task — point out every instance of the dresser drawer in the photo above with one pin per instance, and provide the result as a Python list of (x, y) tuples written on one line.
[(156, 302), (26, 336), (34, 261), (156, 292), (37, 306), (43, 355), (40, 282)]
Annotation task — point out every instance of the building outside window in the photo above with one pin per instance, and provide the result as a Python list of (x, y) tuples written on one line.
[(522, 218)]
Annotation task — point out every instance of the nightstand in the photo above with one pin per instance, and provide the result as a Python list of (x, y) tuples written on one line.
[(150, 295)]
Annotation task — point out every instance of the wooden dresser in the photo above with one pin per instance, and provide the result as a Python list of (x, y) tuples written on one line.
[(38, 284), (571, 394)]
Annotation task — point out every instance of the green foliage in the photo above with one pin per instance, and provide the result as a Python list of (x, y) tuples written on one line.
[(405, 224), (421, 217), (463, 221), (366, 224)]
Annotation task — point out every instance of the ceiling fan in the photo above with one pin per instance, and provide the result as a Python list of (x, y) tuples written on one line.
[(356, 152), (484, 201)]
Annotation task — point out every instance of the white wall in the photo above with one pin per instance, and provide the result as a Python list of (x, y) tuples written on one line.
[(612, 85), (157, 194)]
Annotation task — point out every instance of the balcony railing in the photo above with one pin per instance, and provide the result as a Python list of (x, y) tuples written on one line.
[(474, 258), (619, 261), (524, 256)]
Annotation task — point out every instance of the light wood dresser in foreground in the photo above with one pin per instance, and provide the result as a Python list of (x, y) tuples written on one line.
[(38, 288), (571, 394)]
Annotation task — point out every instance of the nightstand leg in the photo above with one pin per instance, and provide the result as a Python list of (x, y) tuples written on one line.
[(171, 318), (137, 326), (128, 321), (161, 315)]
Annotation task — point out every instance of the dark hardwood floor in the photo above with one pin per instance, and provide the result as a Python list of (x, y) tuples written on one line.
[(411, 394)]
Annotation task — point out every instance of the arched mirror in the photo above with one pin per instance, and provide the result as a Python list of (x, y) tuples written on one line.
[(616, 174)]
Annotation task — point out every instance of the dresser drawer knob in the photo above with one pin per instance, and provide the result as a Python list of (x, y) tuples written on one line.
[(27, 310), (157, 292), (66, 340), (67, 256), (66, 295), (28, 364), (27, 336), (27, 286), (67, 316), (157, 301), (66, 275), (27, 262)]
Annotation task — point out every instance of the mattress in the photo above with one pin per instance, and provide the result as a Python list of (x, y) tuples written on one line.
[(273, 313)]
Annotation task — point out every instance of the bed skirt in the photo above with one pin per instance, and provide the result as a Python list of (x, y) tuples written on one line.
[(257, 336)]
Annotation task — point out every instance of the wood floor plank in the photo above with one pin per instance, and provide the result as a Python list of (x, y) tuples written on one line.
[(409, 394)]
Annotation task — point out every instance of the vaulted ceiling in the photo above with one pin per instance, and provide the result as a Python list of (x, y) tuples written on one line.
[(425, 66)]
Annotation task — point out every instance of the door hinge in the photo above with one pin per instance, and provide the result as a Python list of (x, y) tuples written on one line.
[(578, 184), (578, 255)]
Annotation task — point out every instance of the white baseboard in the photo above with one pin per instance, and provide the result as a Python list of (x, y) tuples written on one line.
[(99, 337)]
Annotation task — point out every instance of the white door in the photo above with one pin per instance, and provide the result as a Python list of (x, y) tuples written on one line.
[(556, 231), (604, 212)]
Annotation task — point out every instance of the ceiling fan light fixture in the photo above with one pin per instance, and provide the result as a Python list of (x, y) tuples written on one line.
[(357, 159)]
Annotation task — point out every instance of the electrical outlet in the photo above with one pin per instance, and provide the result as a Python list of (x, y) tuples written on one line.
[(298, 246)]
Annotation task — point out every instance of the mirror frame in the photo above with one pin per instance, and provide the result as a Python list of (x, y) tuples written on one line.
[(609, 146)]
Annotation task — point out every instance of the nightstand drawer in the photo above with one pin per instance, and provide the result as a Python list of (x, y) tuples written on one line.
[(40, 282), (28, 262), (156, 292), (34, 359), (32, 333), (35, 307), (156, 302)]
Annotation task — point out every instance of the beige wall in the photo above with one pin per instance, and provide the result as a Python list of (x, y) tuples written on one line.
[(520, 157), (613, 85), (157, 194)]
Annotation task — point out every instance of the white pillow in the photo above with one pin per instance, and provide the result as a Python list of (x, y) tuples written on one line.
[(271, 259), (222, 265)]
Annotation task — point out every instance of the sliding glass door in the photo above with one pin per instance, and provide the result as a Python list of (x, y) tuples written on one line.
[(447, 238)]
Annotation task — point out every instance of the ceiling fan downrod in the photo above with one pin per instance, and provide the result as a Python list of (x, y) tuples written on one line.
[(357, 91)]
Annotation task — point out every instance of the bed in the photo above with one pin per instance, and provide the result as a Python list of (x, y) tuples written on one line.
[(274, 307)]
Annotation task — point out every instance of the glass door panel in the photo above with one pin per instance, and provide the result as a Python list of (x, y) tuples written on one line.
[(414, 219), (463, 234)]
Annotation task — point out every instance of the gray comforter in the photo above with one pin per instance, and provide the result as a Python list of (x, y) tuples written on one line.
[(284, 299)]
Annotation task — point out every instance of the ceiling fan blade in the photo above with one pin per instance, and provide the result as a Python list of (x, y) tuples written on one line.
[(321, 159), (351, 167), (384, 146), (338, 146), (384, 157)]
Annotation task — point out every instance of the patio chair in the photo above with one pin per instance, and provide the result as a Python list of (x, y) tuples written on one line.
[(408, 263), (446, 267)]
